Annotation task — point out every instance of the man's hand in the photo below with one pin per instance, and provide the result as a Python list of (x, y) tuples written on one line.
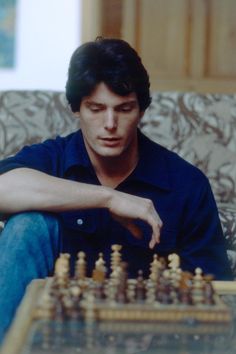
[(125, 208)]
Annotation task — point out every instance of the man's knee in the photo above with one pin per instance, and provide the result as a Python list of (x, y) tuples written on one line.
[(32, 228)]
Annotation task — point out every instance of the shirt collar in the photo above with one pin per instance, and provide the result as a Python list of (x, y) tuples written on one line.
[(152, 166), (76, 153)]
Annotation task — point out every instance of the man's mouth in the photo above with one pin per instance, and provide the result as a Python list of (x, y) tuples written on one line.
[(110, 141)]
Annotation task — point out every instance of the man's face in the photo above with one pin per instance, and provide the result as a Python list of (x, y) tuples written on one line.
[(109, 122)]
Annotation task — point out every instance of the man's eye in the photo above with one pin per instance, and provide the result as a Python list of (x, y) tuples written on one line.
[(126, 109), (95, 109)]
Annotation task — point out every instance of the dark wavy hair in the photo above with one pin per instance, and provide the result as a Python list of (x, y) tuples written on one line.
[(112, 61)]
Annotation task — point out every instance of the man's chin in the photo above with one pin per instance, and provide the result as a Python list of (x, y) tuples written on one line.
[(110, 152)]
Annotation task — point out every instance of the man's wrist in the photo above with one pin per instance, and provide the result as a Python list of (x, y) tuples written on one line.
[(106, 196)]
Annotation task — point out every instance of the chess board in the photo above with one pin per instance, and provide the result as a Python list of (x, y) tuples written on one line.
[(167, 295), (170, 306)]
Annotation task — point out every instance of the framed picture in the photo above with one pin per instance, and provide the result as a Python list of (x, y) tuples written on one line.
[(7, 33)]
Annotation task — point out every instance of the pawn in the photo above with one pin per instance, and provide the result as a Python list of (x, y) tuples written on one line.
[(163, 288), (185, 288), (174, 267), (99, 273), (140, 291), (155, 268), (121, 294), (150, 293), (208, 290), (198, 287), (131, 292), (100, 263), (62, 265), (80, 266), (62, 270)]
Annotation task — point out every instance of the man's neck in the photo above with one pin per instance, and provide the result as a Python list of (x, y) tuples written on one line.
[(111, 171)]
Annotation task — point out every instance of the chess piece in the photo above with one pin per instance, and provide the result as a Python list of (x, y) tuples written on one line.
[(150, 292), (174, 268), (174, 261), (68, 306), (163, 288), (198, 288), (121, 294), (80, 266), (185, 288), (62, 271), (99, 273), (115, 257), (88, 305), (155, 269), (110, 291), (131, 291), (208, 290), (47, 306), (140, 290)]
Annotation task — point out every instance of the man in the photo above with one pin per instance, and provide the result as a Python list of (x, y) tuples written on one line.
[(104, 184)]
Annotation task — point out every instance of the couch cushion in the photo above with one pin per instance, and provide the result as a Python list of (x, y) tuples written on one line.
[(201, 128), (28, 117)]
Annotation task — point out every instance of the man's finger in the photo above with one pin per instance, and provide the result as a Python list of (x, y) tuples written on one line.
[(152, 243), (156, 229)]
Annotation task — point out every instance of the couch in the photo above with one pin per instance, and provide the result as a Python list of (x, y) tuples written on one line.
[(199, 127)]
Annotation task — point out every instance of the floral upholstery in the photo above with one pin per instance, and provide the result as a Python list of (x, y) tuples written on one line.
[(28, 117), (199, 127), (202, 129)]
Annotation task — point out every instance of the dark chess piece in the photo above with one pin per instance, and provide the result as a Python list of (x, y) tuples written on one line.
[(208, 290), (140, 290), (163, 288), (121, 294), (99, 291)]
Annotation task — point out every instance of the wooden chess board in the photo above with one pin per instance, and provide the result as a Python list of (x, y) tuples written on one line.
[(167, 295), (89, 308), (30, 334), (169, 300)]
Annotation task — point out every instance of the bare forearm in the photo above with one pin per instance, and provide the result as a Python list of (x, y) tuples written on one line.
[(26, 189)]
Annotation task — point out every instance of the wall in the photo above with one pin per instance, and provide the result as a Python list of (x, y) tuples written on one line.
[(186, 45), (47, 32)]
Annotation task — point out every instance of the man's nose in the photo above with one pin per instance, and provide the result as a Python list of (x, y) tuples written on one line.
[(110, 121)]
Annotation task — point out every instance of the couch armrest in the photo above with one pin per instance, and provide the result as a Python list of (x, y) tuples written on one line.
[(227, 213)]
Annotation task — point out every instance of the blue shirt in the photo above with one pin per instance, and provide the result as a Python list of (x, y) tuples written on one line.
[(180, 192)]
